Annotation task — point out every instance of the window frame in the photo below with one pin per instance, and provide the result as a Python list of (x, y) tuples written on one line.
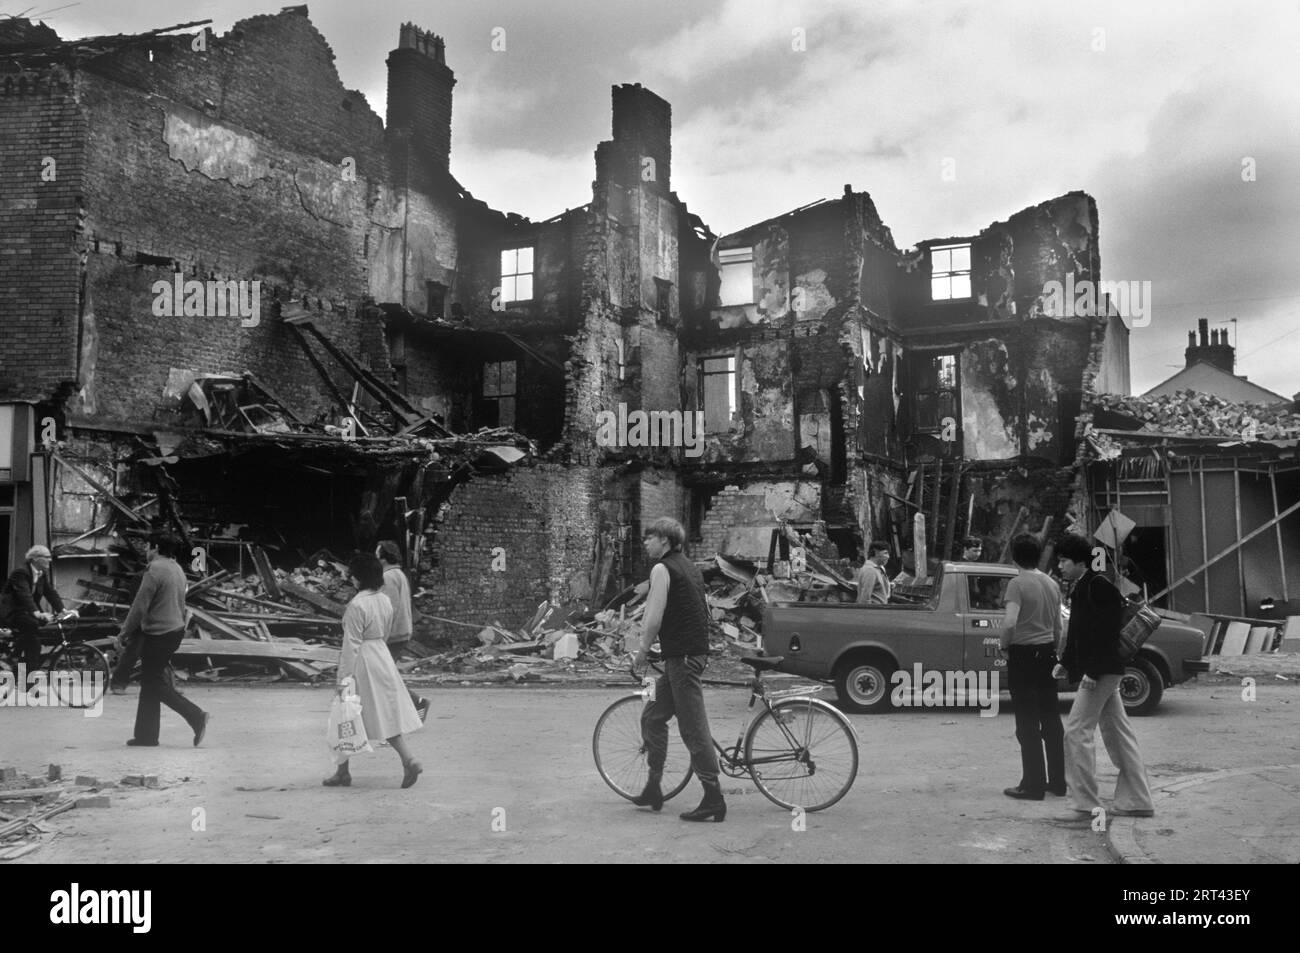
[(732, 371), (920, 388), (509, 280), (498, 397), (743, 255), (950, 272)]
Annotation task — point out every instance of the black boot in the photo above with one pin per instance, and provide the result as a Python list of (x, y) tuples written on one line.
[(712, 808), (652, 797)]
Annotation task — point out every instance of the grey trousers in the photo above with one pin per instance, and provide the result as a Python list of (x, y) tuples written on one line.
[(1101, 706), (680, 692)]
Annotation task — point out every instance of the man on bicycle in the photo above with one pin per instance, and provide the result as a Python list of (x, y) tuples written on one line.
[(20, 604), (677, 615)]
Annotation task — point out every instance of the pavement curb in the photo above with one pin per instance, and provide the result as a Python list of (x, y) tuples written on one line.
[(1121, 832)]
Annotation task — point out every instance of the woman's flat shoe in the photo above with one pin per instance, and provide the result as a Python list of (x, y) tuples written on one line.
[(338, 781), (412, 773)]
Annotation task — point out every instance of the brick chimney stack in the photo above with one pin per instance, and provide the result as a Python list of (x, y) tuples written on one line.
[(1213, 348), (643, 125), (419, 95)]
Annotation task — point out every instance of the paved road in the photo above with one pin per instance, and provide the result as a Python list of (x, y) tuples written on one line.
[(929, 788)]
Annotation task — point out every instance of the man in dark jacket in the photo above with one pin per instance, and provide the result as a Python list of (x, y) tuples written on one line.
[(1091, 655), (677, 614), (20, 604)]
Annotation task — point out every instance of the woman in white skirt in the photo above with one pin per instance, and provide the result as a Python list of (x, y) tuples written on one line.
[(386, 708)]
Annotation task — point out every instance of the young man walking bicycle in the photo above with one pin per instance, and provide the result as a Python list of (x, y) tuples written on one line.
[(677, 614)]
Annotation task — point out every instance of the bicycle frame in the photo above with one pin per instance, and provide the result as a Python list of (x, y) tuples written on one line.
[(734, 759)]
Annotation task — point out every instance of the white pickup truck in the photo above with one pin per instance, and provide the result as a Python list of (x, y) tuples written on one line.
[(859, 647)]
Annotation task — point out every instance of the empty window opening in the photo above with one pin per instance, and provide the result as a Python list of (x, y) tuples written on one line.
[(435, 299), (936, 391), (517, 274), (499, 394), (718, 384), (949, 272), (737, 266)]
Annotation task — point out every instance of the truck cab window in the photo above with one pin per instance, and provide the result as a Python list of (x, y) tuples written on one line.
[(987, 593)]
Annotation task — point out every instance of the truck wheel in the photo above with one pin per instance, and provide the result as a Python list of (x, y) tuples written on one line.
[(1141, 687), (862, 684)]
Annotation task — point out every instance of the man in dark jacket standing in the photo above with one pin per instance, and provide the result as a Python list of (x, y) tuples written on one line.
[(20, 604), (1092, 656), (677, 614)]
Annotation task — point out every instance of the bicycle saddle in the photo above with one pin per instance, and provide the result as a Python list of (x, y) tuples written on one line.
[(763, 664)]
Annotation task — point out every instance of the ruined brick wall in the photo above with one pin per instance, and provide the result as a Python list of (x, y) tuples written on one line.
[(1011, 262), (544, 520), (244, 161), (44, 134), (739, 519), (1000, 493)]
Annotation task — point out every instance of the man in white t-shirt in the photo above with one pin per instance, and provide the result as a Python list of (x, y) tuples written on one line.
[(398, 591)]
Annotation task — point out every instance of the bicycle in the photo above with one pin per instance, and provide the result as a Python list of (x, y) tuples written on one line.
[(81, 660), (799, 751)]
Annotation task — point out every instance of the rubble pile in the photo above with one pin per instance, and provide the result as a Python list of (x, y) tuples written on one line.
[(1192, 414), (27, 804)]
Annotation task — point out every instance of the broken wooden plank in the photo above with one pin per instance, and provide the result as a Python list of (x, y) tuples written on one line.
[(22, 850), (388, 397), (23, 793), (44, 815), (290, 651), (217, 625), (265, 389), (265, 571), (1226, 552), (427, 423), (102, 490), (320, 368), (279, 607), (207, 582), (313, 598), (100, 587)]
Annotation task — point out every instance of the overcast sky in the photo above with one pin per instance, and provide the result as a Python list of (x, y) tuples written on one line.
[(1150, 107)]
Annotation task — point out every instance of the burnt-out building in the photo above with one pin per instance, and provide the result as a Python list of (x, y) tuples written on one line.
[(367, 309), (867, 384), (232, 296)]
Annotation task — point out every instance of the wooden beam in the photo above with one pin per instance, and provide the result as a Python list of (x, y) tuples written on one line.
[(277, 651), (1281, 557), (278, 607), (313, 598), (265, 571), (258, 383), (1205, 543), (320, 368), (388, 398), (98, 487), (1227, 552), (954, 499), (1241, 563), (217, 625), (932, 536)]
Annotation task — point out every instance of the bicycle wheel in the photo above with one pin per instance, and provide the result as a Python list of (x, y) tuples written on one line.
[(802, 753), (621, 754), (79, 675)]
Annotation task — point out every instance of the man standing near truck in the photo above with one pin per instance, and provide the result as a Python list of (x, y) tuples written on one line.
[(1091, 654), (1030, 634), (873, 584)]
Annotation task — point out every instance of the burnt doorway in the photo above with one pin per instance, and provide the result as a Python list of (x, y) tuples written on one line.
[(1147, 547)]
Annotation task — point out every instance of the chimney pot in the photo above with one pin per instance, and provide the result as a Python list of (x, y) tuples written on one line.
[(1202, 325)]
